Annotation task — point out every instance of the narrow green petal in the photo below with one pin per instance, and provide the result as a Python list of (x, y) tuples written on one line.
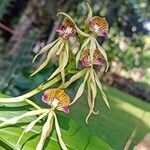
[(63, 71), (89, 96), (94, 93), (80, 51), (31, 125), (92, 48), (47, 128), (102, 51), (27, 114), (63, 75), (64, 61), (60, 48), (101, 89), (45, 48), (50, 54), (80, 89), (92, 86), (74, 78), (61, 142), (90, 11)]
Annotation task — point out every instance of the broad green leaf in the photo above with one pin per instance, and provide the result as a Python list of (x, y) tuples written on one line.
[(74, 136), (115, 125)]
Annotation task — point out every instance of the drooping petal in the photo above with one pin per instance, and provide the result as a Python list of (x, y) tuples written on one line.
[(31, 125), (62, 71), (93, 87), (45, 48), (74, 78), (80, 89), (89, 11), (102, 51), (94, 92), (101, 89), (63, 76), (27, 114), (65, 57), (60, 48), (92, 48), (86, 42), (89, 96), (50, 54), (61, 142), (47, 128)]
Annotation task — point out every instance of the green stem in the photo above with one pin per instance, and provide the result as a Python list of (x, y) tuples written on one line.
[(33, 104), (40, 88), (24, 97)]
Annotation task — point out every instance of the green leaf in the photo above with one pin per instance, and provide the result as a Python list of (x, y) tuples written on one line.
[(74, 136)]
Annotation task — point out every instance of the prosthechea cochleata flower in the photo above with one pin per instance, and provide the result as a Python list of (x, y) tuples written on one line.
[(91, 79), (57, 100), (59, 47)]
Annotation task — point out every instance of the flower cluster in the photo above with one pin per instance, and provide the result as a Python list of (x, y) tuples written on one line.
[(72, 52)]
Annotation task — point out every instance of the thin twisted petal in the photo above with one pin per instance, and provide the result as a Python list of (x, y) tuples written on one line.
[(80, 89), (50, 54), (60, 49), (65, 57), (92, 48), (94, 89), (63, 71), (74, 78), (62, 144), (31, 125), (63, 76), (101, 89), (45, 48), (27, 114), (86, 42), (92, 104), (89, 96), (90, 11), (78, 30), (102, 51), (47, 128), (94, 92)]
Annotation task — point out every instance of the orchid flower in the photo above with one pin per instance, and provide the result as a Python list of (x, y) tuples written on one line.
[(59, 47), (57, 100), (98, 27), (90, 78), (92, 81)]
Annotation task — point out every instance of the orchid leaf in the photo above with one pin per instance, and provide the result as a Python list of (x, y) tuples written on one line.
[(73, 135)]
